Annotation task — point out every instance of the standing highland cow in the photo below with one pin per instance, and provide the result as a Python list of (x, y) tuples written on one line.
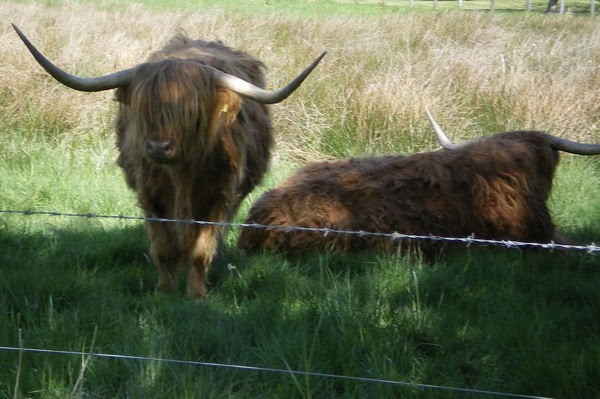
[(494, 188), (189, 145)]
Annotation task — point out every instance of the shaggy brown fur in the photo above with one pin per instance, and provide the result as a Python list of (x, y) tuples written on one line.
[(190, 146), (220, 146), (494, 188)]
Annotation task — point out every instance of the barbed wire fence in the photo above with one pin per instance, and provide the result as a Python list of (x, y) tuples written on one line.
[(591, 249), (547, 6)]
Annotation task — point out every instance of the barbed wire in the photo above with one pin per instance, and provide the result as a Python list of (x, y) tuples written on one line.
[(272, 370), (470, 240)]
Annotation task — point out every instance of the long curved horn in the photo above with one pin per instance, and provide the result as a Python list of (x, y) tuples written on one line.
[(442, 138), (573, 147), (256, 93), (121, 78), (556, 143), (106, 82)]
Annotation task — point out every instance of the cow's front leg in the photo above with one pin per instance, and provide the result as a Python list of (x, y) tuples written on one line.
[(202, 252), (165, 253)]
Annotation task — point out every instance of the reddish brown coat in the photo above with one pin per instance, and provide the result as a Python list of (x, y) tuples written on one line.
[(220, 149), (494, 188), (189, 145)]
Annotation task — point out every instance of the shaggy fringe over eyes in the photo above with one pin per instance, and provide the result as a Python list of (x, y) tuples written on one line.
[(169, 101)]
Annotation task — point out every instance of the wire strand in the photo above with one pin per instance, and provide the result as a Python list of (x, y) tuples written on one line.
[(272, 370), (590, 248)]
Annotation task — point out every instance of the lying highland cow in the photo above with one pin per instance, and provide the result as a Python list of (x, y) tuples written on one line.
[(494, 188), (194, 137)]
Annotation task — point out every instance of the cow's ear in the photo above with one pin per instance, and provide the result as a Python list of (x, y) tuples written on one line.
[(227, 106), (122, 95), (226, 110)]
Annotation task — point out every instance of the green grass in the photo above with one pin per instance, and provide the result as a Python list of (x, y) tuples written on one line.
[(484, 319), (512, 321)]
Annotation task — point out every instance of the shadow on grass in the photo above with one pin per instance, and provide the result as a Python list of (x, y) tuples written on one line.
[(70, 265), (488, 319)]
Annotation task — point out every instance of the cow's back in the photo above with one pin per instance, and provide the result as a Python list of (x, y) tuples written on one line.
[(495, 188)]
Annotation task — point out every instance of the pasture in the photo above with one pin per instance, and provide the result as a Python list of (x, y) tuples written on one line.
[(512, 321)]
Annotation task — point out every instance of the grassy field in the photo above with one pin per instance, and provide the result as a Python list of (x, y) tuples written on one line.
[(336, 8), (509, 321)]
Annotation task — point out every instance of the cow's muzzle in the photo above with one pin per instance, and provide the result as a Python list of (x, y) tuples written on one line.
[(160, 151)]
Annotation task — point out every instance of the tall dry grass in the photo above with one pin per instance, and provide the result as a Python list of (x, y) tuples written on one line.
[(477, 72)]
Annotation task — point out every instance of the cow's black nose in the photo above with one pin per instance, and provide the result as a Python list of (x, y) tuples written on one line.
[(159, 149)]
